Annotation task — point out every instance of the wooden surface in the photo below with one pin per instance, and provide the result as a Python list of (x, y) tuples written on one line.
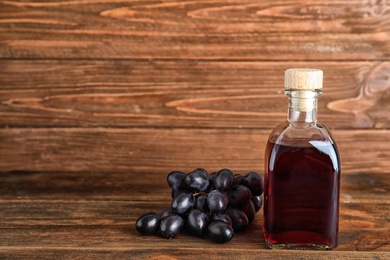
[(198, 30), (100, 100), (54, 213)]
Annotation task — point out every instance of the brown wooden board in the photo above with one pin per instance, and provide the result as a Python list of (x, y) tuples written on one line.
[(184, 94), (199, 30), (108, 150), (130, 187)]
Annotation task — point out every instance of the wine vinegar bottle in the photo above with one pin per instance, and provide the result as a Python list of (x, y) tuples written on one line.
[(302, 172)]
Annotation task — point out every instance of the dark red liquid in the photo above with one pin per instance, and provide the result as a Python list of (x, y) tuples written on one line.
[(302, 195)]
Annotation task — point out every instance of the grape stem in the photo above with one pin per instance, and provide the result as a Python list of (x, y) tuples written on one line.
[(201, 193)]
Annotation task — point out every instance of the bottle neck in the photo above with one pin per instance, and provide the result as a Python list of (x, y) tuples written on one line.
[(302, 107)]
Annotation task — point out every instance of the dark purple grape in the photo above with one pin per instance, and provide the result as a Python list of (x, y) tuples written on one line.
[(220, 232), (238, 179), (176, 181), (224, 179), (238, 217), (254, 182), (166, 212), (197, 180), (171, 225), (197, 222), (257, 202), (220, 202), (211, 179), (183, 203), (217, 201), (249, 210), (222, 217), (239, 195), (148, 223), (201, 203)]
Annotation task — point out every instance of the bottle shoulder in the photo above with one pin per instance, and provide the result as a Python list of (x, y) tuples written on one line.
[(300, 135), (287, 139)]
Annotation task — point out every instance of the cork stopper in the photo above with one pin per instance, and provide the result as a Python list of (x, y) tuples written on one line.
[(303, 78)]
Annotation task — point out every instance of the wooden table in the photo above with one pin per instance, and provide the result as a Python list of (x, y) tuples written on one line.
[(92, 215), (100, 100)]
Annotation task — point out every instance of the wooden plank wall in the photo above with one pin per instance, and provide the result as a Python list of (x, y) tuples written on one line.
[(100, 99), (155, 85)]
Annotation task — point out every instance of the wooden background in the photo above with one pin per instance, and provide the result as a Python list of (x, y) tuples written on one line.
[(100, 100)]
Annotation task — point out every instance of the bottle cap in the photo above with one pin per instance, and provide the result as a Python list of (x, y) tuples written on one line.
[(303, 78)]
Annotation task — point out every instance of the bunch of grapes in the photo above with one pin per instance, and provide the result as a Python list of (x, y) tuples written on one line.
[(215, 205)]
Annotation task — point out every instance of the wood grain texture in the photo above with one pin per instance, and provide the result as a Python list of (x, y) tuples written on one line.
[(93, 214), (172, 252), (184, 94), (110, 150), (199, 30), (20, 187), (96, 212), (100, 100)]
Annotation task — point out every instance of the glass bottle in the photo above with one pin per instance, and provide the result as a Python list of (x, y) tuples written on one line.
[(302, 172)]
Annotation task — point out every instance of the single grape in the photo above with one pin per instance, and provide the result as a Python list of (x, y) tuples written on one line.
[(238, 217), (176, 181), (183, 203), (239, 195), (254, 182), (148, 223), (220, 232), (201, 203), (166, 212), (224, 179), (171, 225), (217, 201), (238, 179), (212, 179), (257, 202), (197, 222), (249, 210), (197, 180), (222, 217)]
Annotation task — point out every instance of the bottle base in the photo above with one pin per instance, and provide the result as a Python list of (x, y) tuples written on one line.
[(299, 240), (300, 246)]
